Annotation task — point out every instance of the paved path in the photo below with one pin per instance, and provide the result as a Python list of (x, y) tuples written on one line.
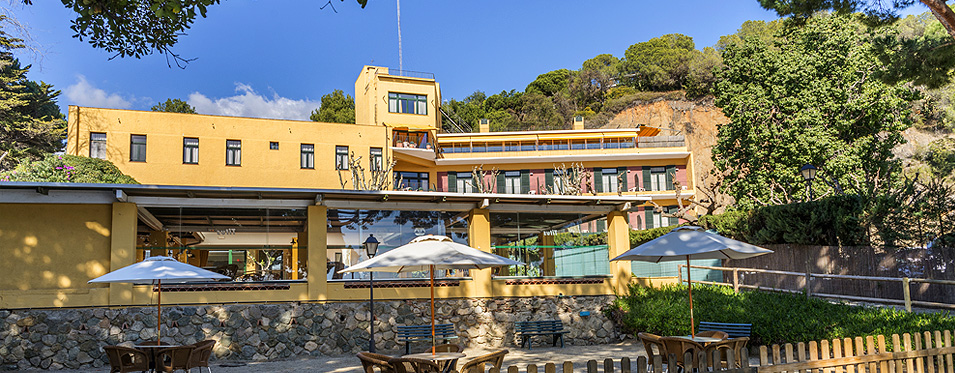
[(516, 356)]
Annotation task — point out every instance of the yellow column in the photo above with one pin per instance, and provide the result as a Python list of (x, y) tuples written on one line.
[(122, 251), (290, 261), (479, 237), (158, 239), (549, 267), (317, 252), (618, 240)]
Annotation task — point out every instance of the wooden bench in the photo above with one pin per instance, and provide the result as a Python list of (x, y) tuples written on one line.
[(416, 333), (527, 329), (734, 330)]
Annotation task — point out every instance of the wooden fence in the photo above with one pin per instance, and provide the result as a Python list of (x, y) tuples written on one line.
[(927, 352)]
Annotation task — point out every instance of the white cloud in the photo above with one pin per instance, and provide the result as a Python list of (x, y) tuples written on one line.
[(248, 103), (84, 94)]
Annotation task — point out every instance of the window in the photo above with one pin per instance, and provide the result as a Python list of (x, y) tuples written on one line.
[(558, 181), (273, 145), (97, 145), (233, 153), (376, 159), (658, 178), (190, 150), (411, 180), (512, 182), (341, 157), (137, 148), (464, 183), (407, 104), (308, 155), (609, 180)]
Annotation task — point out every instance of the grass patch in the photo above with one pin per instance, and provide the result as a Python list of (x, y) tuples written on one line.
[(776, 317)]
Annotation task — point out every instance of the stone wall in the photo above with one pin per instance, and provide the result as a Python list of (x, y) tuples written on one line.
[(73, 338)]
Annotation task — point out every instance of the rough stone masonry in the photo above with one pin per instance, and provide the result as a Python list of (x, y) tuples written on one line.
[(73, 338)]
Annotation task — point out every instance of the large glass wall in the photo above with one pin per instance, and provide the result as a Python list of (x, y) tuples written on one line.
[(348, 229), (549, 244)]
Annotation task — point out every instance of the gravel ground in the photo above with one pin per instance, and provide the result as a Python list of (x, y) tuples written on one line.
[(520, 357)]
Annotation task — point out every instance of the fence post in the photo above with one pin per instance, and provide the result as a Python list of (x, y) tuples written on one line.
[(736, 280), (907, 293), (679, 271), (808, 280)]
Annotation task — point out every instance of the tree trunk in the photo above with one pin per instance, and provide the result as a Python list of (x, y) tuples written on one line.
[(944, 14)]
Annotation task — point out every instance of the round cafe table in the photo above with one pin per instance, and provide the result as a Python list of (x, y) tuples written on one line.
[(701, 340), (443, 359), (151, 350)]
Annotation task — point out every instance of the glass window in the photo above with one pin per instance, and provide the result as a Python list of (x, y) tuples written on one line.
[(658, 178), (528, 147), (561, 144), (512, 146), (411, 180), (495, 147), (577, 144), (407, 103), (376, 159), (233, 152), (464, 183), (274, 145), (609, 180), (190, 150), (341, 157), (512, 182), (593, 144), (567, 251), (98, 145), (137, 148), (308, 155)]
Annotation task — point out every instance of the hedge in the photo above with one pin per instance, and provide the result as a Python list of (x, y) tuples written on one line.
[(68, 169)]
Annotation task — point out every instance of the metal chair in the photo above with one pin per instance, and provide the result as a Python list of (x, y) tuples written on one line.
[(370, 361), (201, 353), (411, 365), (174, 358), (125, 359), (479, 364)]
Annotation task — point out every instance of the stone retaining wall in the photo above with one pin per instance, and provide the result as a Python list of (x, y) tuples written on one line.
[(73, 338)]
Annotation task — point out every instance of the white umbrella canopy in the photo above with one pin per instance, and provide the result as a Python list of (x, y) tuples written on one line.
[(690, 242), (430, 253), (156, 270)]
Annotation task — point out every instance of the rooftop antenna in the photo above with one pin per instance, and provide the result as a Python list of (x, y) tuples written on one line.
[(400, 65)]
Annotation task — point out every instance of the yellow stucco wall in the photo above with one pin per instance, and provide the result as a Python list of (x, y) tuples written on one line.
[(260, 165), (371, 99), (50, 251)]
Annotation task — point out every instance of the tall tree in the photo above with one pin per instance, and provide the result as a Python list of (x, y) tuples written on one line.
[(876, 11), (659, 64), (174, 105), (336, 108), (808, 98), (29, 126)]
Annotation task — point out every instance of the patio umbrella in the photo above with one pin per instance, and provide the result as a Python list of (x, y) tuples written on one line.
[(153, 271), (690, 242), (430, 253)]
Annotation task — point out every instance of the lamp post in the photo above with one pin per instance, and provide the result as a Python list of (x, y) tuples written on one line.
[(808, 173), (371, 248)]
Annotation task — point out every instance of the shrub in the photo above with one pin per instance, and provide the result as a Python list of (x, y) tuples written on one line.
[(68, 169), (776, 317)]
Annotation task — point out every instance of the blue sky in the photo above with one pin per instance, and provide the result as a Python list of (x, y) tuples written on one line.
[(276, 59)]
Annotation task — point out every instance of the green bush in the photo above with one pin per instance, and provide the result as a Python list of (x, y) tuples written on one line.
[(776, 317), (68, 169)]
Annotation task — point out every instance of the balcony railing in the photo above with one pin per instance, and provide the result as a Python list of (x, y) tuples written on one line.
[(410, 74), (618, 143)]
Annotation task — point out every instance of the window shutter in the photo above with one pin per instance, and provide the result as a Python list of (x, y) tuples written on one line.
[(646, 178), (673, 210), (598, 180), (671, 173), (500, 182), (648, 212), (601, 225), (525, 181), (452, 182), (623, 179), (548, 181)]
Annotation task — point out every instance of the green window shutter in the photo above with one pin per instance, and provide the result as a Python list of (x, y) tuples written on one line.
[(673, 210), (452, 182), (601, 225), (648, 211), (598, 180), (623, 179), (548, 180), (671, 173), (525, 181), (500, 182), (646, 178)]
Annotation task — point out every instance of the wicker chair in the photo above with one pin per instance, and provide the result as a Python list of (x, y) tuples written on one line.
[(649, 342), (125, 359), (736, 345), (679, 347), (479, 364), (449, 365), (174, 358), (201, 353), (713, 334), (411, 365), (370, 361)]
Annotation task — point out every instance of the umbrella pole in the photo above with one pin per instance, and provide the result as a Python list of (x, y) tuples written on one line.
[(689, 286), (432, 309), (159, 314)]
